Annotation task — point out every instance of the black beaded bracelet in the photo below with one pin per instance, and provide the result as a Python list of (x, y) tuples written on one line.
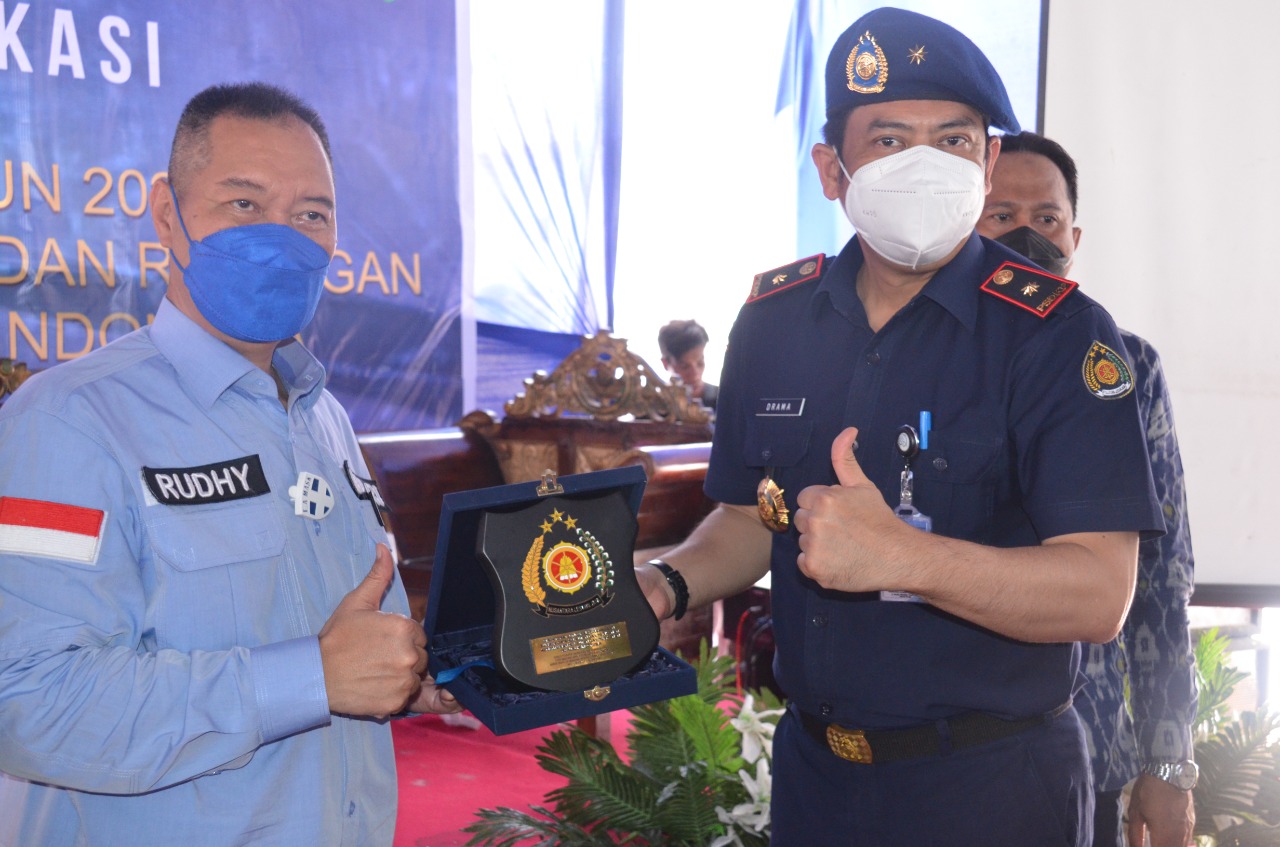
[(678, 585)]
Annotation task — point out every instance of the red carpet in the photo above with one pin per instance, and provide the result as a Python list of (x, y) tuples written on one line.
[(448, 772)]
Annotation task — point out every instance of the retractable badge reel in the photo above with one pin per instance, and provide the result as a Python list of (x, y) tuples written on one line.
[(909, 443)]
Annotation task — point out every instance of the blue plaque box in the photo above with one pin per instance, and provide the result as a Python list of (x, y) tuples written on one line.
[(463, 608)]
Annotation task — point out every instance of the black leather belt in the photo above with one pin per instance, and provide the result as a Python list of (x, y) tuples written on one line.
[(878, 746)]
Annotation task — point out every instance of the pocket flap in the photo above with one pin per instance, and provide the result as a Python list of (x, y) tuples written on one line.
[(776, 442), (208, 538)]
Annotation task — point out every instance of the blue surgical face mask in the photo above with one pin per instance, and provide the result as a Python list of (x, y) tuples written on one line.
[(259, 283)]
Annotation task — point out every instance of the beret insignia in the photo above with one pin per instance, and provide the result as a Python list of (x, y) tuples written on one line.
[(1106, 373), (1032, 289), (866, 68), (787, 276)]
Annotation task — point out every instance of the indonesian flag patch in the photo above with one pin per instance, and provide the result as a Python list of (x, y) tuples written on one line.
[(51, 530)]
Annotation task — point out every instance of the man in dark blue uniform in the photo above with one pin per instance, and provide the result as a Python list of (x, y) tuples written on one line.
[(937, 452), (1139, 704)]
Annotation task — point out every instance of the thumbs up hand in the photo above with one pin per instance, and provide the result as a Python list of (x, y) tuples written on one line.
[(850, 540), (373, 660)]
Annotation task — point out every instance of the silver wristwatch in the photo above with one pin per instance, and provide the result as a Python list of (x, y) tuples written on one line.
[(1178, 774)]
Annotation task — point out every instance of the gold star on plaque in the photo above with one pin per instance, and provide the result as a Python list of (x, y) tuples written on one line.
[(917, 55), (1030, 289), (556, 516), (570, 523), (545, 526)]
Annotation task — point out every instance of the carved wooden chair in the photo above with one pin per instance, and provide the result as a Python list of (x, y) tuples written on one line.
[(12, 374)]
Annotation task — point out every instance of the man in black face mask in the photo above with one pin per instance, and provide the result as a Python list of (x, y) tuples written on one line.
[(1031, 209)]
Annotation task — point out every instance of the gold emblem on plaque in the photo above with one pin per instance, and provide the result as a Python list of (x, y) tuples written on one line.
[(1004, 277), (567, 567), (866, 61), (1030, 288), (779, 279), (808, 268), (772, 508), (917, 55), (595, 695)]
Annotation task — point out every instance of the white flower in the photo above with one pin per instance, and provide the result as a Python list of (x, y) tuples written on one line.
[(757, 731), (759, 788), (752, 816), (725, 840)]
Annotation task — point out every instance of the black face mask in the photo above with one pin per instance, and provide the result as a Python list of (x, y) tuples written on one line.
[(1037, 248)]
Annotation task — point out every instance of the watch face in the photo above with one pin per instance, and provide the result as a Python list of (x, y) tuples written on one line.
[(1185, 775)]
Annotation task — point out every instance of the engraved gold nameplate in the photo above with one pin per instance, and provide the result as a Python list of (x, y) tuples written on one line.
[(772, 508), (580, 647)]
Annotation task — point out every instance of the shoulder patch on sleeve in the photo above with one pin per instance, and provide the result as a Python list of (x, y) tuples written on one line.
[(787, 276), (1106, 374), (1037, 291)]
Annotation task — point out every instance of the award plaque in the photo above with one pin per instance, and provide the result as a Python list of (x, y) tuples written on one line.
[(570, 614), (535, 616)]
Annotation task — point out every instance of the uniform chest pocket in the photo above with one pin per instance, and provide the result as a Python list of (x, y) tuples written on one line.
[(217, 575), (956, 481), (776, 442)]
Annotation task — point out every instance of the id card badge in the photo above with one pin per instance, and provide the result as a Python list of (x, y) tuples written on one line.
[(908, 447)]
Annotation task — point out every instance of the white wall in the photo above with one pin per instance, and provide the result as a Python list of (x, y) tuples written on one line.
[(706, 163), (1170, 110)]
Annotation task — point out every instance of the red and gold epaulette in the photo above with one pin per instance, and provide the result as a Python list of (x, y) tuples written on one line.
[(787, 276), (1037, 291)]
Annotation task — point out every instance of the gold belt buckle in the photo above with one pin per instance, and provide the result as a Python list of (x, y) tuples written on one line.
[(850, 744)]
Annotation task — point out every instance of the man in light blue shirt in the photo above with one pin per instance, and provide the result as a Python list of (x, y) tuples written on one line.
[(194, 647)]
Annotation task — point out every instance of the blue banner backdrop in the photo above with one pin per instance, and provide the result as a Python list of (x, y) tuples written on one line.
[(89, 96)]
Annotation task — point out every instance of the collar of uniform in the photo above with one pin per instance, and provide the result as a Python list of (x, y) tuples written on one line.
[(839, 283), (952, 287), (955, 286), (206, 367), (301, 372)]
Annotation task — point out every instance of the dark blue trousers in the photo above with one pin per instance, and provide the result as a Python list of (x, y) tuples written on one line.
[(1031, 790), (1108, 822)]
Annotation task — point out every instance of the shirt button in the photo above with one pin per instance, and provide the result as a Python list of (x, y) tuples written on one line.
[(873, 358), (824, 709), (940, 464), (819, 620)]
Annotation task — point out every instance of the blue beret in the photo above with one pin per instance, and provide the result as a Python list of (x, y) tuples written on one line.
[(892, 54)]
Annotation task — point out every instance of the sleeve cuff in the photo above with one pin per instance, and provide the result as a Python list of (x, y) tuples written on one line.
[(1170, 745), (288, 681)]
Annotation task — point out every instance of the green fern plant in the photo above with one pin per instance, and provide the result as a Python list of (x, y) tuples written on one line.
[(1238, 796), (683, 776)]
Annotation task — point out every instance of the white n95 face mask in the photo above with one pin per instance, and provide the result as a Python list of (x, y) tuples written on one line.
[(914, 207)]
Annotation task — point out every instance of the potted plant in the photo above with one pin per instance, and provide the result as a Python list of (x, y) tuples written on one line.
[(695, 773), (1238, 796)]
